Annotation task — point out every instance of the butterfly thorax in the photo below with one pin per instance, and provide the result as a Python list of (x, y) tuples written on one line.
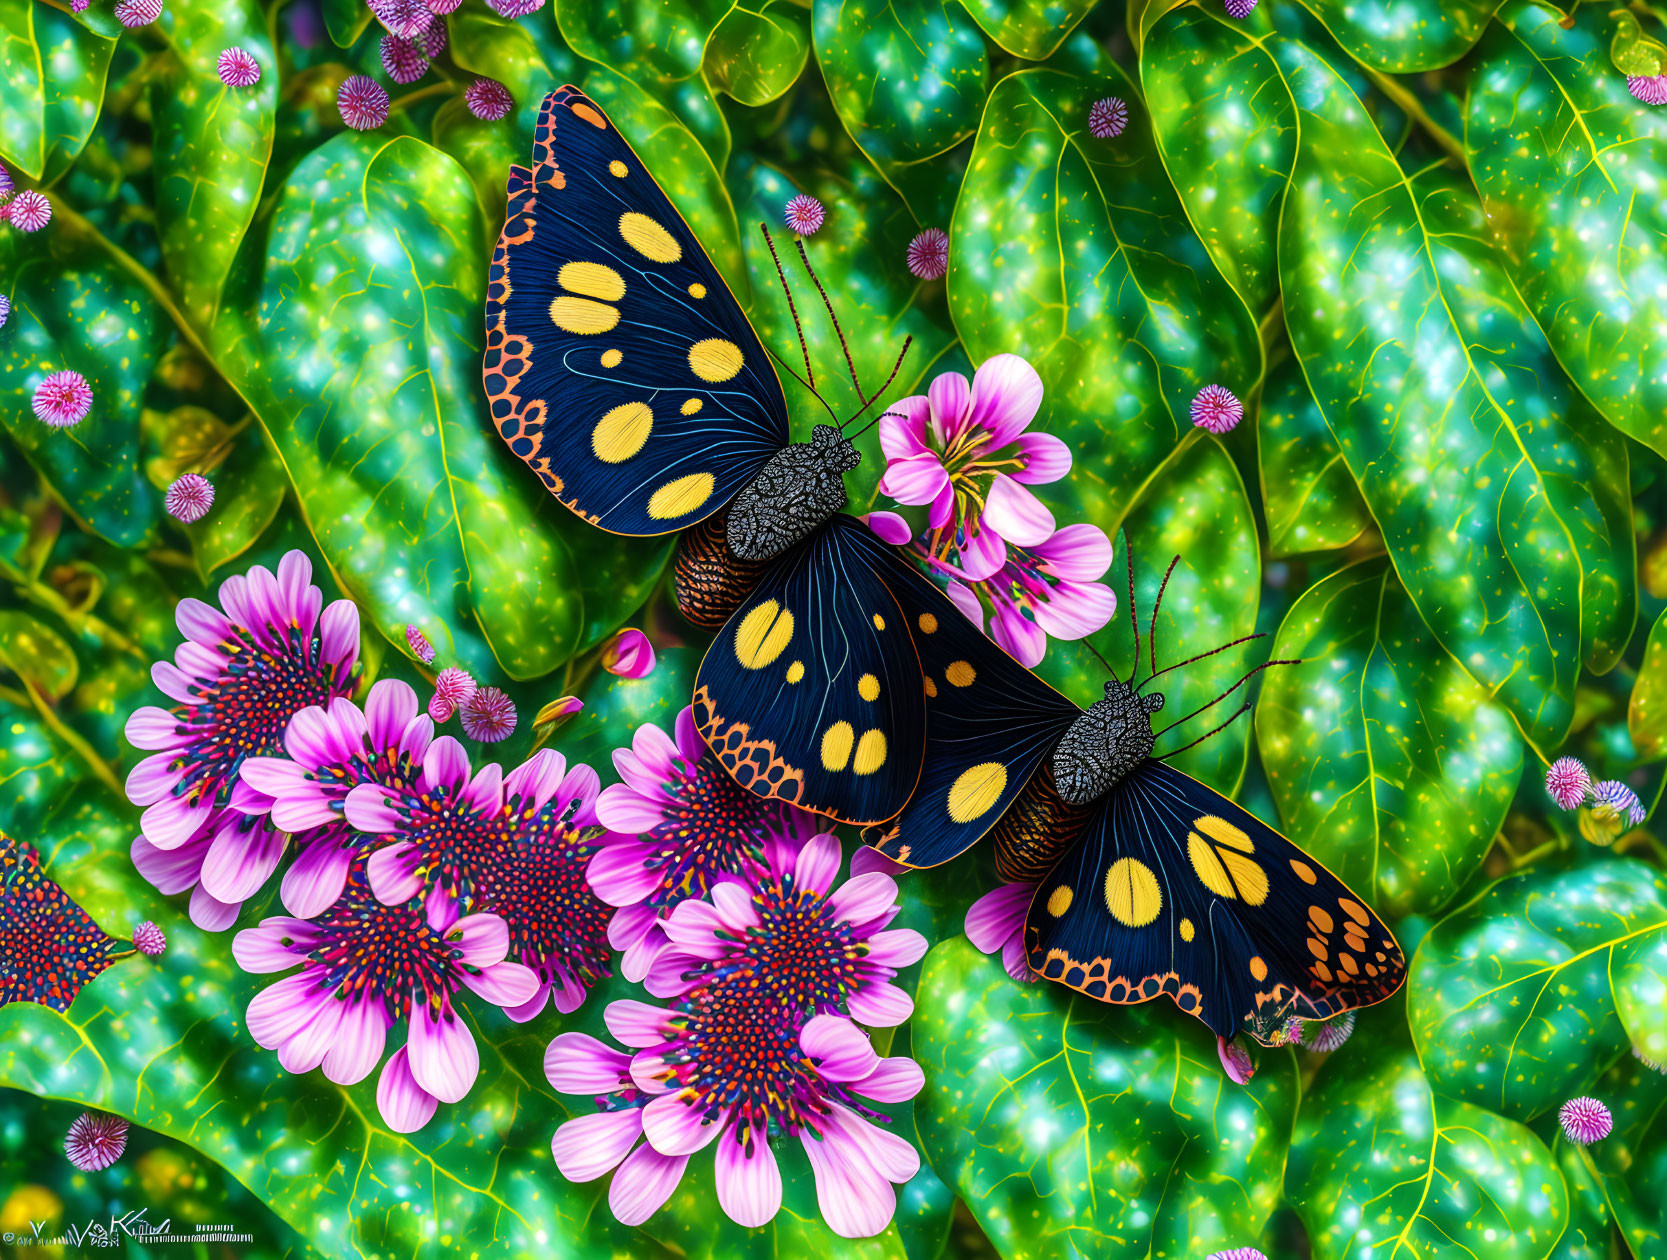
[(801, 486), (1105, 743)]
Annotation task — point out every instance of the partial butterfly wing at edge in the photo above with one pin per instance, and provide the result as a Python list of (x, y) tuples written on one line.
[(618, 363), (811, 694), (1173, 889)]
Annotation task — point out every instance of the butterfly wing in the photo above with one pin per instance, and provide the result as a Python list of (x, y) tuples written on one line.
[(811, 692), (618, 364), (989, 724), (1173, 889)]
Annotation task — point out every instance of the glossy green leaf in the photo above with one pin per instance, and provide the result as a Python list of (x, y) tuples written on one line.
[(1568, 164), (1388, 762), (1311, 501), (211, 145), (1074, 1127), (368, 344), (1589, 1233), (74, 309), (1631, 1163), (1195, 508), (1440, 388), (755, 56), (1382, 1163), (1630, 50), (249, 489), (1407, 35), (1512, 998), (52, 72), (907, 79), (1646, 716), (345, 20), (36, 653), (1076, 254), (1031, 29)]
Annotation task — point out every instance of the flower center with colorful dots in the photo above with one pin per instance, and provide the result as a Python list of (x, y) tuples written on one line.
[(712, 827), (370, 950), (536, 883)]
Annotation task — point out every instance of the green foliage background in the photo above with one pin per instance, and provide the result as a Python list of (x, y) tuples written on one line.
[(1423, 241)]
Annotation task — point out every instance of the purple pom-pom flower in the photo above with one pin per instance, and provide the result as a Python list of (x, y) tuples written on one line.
[(363, 102), (189, 498), (1567, 781), (238, 68), (1584, 1120), (1216, 409), (1107, 117), (804, 214)]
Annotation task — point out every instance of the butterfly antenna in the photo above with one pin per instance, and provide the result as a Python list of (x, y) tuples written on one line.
[(788, 368), (838, 331), (895, 369), (1239, 713), (1248, 675), (1152, 633), (791, 309), (1100, 658), (1134, 621), (1167, 669)]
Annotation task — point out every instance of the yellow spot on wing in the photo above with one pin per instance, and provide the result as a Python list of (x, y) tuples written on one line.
[(871, 752), (763, 635), (618, 168), (592, 280), (879, 622), (976, 790), (648, 238), (928, 623), (795, 671), (715, 359), (697, 290), (1187, 930), (1224, 832), (960, 673), (1132, 892), (836, 746), (1208, 866), (582, 316), (611, 358), (931, 687), (621, 433), (1251, 879), (680, 497), (691, 406), (1059, 900), (868, 687)]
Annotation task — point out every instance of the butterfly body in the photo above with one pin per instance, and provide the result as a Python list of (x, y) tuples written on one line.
[(1101, 747), (794, 494)]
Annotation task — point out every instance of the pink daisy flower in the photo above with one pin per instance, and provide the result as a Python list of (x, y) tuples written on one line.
[(189, 498), (1238, 10), (535, 880), (418, 642), (629, 654), (804, 214), (134, 13), (363, 102), (63, 399), (1235, 1060), (488, 99), (402, 59), (452, 687), (49, 946), (405, 18), (928, 254), (238, 68), (680, 823), (365, 967), (1107, 117), (327, 751), (996, 923), (29, 211), (1584, 1120), (236, 682), (442, 827), (809, 946), (1618, 800), (95, 1140), (488, 716), (1216, 409), (149, 939), (1649, 88), (723, 1064), (1567, 781), (966, 451), (1329, 1035)]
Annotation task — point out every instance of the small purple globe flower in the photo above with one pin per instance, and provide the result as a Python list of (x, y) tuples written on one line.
[(1584, 1120), (95, 1140), (402, 59), (488, 715), (1238, 10), (189, 498), (135, 13), (238, 68), (363, 102), (149, 939), (63, 399), (1617, 797), (1649, 88), (29, 211), (1237, 1253), (5, 309), (1567, 781), (1107, 118), (928, 255), (804, 214), (1216, 409), (1331, 1034), (418, 642), (488, 100), (452, 688)]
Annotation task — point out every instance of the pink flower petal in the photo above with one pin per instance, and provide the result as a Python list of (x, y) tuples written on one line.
[(1016, 514), (392, 874), (915, 479), (306, 1050), (864, 898), (981, 553), (316, 879), (242, 858), (950, 397), (818, 863), (444, 1058), (405, 1105), (446, 765), (1076, 609), (887, 526), (904, 434), (856, 1201), (284, 1008), (1080, 553), (630, 655), (893, 1080), (618, 873), (155, 730), (1023, 640), (1006, 394), (170, 871), (588, 1146), (504, 984), (577, 1063), (676, 1127), (359, 1043), (643, 1183), (260, 950), (636, 1024), (880, 1005), (841, 1051), (369, 808), (211, 914), (998, 914), (1046, 458), (896, 948), (963, 598), (749, 1186), (481, 939)]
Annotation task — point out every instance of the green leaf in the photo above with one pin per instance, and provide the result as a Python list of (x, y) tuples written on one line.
[(1630, 50), (1388, 762), (1407, 37), (907, 78), (1311, 501), (345, 20), (755, 57), (1076, 254), (1073, 1127), (1646, 715), (1382, 1162), (211, 145), (364, 368), (1567, 163), (1631, 1163), (1032, 29), (1440, 387), (37, 654), (52, 73), (1589, 1231), (1512, 998), (74, 308), (1196, 508)]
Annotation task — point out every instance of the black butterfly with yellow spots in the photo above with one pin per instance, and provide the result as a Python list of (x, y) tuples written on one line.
[(1148, 882), (621, 368)]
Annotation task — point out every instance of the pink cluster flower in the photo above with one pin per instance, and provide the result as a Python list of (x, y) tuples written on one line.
[(418, 642), (1329, 1035), (1107, 118), (5, 309), (95, 1141), (629, 654), (149, 939), (488, 99), (1237, 1253), (404, 60), (1649, 88), (134, 13), (362, 102), (238, 68), (1216, 409), (514, 8), (680, 823), (405, 18), (488, 715), (189, 498), (63, 399), (804, 214), (1615, 798), (7, 187), (1585, 1120), (452, 688), (245, 669), (29, 211), (367, 966), (1239, 9), (928, 254), (1568, 782)]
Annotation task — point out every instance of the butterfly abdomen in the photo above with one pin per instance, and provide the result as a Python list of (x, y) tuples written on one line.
[(1105, 744), (710, 580), (1036, 830), (792, 496)]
